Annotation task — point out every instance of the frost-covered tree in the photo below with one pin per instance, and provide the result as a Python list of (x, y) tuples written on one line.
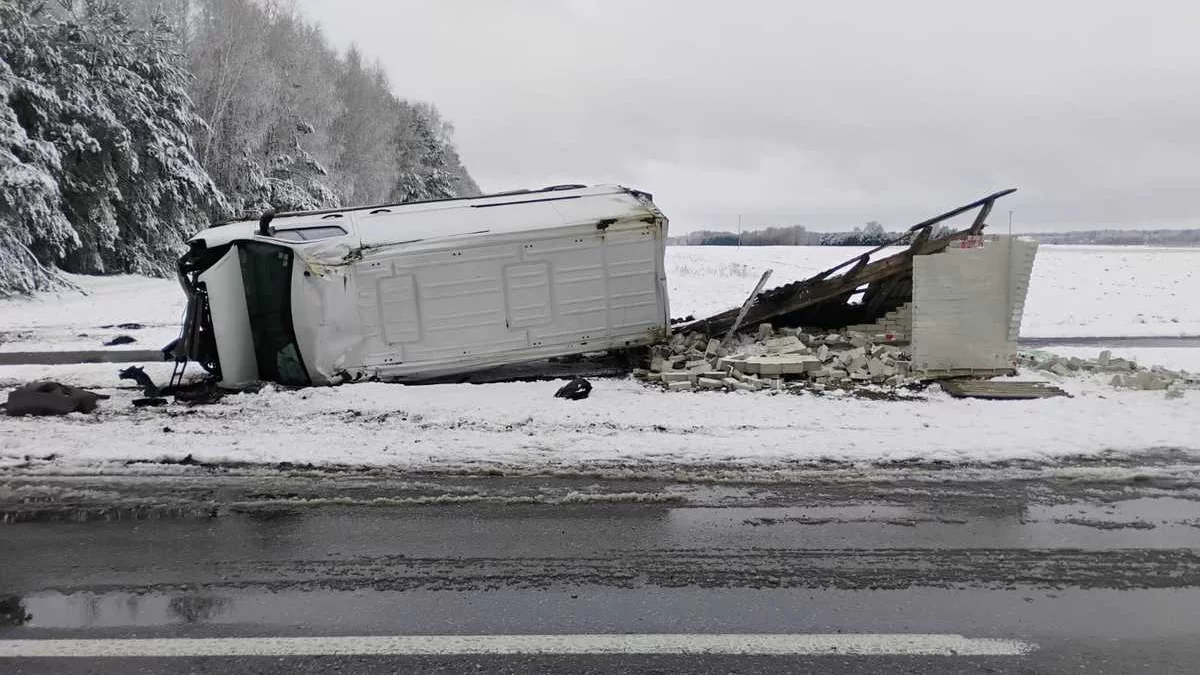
[(33, 228), (422, 171), (296, 177), (99, 164), (126, 125), (294, 125), (364, 168)]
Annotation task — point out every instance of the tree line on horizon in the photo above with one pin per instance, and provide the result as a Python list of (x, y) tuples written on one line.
[(873, 234), (128, 125), (870, 234)]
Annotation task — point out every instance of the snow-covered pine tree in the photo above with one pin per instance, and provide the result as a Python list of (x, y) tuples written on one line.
[(296, 178), (138, 190), (34, 232), (422, 171), (98, 168)]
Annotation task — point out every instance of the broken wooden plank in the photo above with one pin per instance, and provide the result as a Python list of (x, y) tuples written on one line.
[(737, 323), (1005, 390)]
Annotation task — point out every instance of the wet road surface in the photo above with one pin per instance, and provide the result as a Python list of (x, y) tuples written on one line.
[(1063, 569)]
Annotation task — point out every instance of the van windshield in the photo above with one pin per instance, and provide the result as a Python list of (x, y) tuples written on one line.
[(267, 277)]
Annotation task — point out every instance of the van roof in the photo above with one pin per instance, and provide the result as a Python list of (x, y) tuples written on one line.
[(571, 189), (523, 210)]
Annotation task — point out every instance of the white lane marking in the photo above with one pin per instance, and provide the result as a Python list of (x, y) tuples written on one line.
[(449, 645)]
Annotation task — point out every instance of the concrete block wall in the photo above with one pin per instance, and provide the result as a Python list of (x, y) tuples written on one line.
[(897, 323), (967, 305)]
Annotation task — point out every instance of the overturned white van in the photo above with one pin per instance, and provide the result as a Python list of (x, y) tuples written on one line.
[(417, 290)]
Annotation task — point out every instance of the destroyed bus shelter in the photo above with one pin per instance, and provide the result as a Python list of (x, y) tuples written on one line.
[(826, 300)]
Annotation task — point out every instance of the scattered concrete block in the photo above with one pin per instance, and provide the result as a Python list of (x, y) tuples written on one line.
[(709, 383), (823, 353), (786, 345), (874, 367), (1120, 364), (1175, 390), (798, 364), (658, 364), (677, 376), (713, 348), (727, 362), (747, 386), (1059, 368), (1149, 381), (1104, 358), (679, 386), (766, 365), (765, 331)]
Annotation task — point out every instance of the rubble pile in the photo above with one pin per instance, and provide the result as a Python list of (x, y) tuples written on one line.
[(856, 358), (780, 359), (1126, 374)]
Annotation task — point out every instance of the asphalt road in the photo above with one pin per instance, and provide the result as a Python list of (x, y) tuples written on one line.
[(1088, 568)]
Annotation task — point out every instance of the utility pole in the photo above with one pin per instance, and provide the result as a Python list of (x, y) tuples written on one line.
[(1010, 223)]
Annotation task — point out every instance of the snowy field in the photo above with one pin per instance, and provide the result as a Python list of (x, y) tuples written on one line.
[(624, 426), (1076, 291)]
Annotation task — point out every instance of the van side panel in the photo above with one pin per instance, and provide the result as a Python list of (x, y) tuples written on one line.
[(481, 303), (636, 299)]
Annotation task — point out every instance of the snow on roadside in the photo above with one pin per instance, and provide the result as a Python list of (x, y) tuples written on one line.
[(521, 425), (74, 319)]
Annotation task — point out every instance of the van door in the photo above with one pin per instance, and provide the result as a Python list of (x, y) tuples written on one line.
[(267, 277)]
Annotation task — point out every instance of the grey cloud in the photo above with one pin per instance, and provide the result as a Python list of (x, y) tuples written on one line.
[(823, 114)]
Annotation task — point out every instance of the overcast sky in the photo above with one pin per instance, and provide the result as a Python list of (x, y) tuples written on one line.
[(824, 114)]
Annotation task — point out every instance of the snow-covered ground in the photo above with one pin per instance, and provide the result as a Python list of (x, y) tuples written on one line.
[(70, 320), (522, 427), (1078, 291)]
